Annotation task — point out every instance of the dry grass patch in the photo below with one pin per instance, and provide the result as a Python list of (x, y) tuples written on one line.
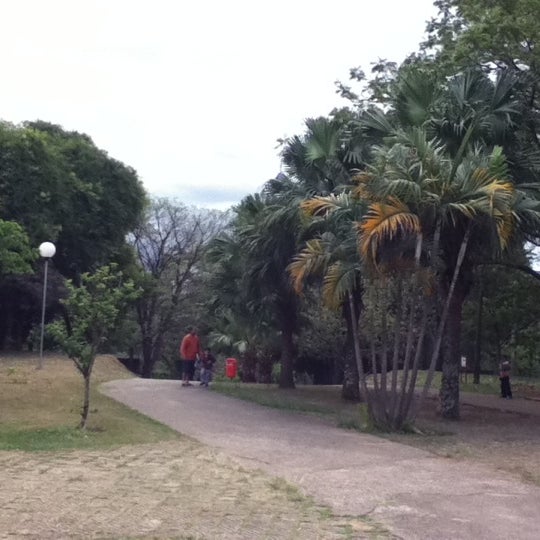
[(40, 409), (175, 489)]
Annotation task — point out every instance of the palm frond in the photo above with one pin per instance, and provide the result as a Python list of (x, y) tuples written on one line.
[(322, 139), (339, 280), (312, 259), (416, 92), (376, 120), (498, 165), (385, 221), (322, 206)]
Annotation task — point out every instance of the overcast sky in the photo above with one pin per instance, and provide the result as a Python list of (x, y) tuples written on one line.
[(193, 94)]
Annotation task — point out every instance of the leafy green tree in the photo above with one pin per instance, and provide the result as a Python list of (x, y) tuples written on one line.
[(16, 255), (170, 245), (322, 345), (499, 33), (496, 36), (16, 258), (508, 326), (60, 187), (93, 310)]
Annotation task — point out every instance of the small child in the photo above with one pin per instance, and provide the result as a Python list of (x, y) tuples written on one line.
[(207, 366)]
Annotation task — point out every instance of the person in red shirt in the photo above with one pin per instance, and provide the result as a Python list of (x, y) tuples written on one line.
[(189, 353)]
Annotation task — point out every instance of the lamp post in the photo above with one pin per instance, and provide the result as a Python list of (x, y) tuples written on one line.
[(46, 250)]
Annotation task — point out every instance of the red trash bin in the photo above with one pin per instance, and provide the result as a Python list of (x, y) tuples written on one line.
[(231, 367)]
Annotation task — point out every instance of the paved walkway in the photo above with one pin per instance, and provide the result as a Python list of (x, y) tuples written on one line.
[(414, 493)]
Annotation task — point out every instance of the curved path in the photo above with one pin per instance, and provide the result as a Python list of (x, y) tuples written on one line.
[(412, 492)]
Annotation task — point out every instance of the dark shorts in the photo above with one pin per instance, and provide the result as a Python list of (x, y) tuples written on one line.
[(188, 368)]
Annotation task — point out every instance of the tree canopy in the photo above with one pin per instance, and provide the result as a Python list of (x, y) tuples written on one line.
[(58, 186)]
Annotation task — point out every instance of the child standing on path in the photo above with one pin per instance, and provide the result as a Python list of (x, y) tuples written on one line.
[(207, 360)]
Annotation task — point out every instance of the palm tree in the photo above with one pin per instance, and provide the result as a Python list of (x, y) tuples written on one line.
[(333, 255), (269, 235), (239, 323), (424, 215), (468, 113), (322, 161), (445, 209)]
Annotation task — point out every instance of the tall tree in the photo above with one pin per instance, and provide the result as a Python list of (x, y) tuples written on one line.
[(496, 36), (269, 228), (467, 112), (170, 245), (320, 161), (240, 322), (333, 255), (60, 187)]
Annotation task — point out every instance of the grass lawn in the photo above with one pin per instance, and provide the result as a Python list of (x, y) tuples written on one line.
[(324, 401), (40, 409), (489, 384)]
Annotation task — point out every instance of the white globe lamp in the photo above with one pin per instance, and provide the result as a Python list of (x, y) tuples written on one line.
[(46, 250)]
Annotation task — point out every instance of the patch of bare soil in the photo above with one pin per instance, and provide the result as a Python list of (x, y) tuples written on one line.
[(178, 489), (506, 441)]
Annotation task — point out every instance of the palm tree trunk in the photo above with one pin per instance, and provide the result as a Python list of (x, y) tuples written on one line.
[(249, 366), (449, 391), (401, 300), (442, 322), (408, 352), (377, 405), (358, 353), (402, 404), (350, 390), (384, 355), (286, 376), (478, 337), (374, 302), (405, 413), (408, 393)]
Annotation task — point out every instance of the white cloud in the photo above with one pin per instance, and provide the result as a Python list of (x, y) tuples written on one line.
[(193, 94)]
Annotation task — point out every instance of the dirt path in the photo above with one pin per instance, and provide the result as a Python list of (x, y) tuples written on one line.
[(413, 492)]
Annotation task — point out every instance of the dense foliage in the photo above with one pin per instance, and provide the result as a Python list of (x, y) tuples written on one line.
[(58, 186)]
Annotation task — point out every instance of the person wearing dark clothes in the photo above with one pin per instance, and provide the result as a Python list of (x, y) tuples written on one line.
[(504, 377), (207, 367)]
